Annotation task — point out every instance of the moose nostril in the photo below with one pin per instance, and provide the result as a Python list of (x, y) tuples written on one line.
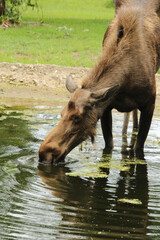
[(41, 156), (49, 154), (45, 157)]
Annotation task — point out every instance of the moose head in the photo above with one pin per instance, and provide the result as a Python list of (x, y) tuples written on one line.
[(78, 123)]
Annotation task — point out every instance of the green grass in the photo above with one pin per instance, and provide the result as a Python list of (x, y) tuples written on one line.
[(71, 9), (71, 33)]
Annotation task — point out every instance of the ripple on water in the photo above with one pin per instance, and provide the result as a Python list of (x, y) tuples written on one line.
[(45, 203)]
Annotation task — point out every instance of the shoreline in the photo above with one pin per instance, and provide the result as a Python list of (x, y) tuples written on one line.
[(22, 84)]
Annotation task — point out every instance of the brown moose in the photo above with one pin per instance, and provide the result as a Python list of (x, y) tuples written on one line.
[(123, 78)]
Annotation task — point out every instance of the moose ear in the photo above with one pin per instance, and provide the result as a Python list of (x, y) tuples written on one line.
[(119, 3), (104, 94), (156, 6), (70, 84)]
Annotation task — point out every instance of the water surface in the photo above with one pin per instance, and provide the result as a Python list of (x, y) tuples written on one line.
[(44, 202)]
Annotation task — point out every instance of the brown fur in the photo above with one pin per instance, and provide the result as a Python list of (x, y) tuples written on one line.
[(123, 78)]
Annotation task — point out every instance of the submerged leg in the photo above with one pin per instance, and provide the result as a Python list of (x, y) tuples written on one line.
[(124, 131), (106, 123), (144, 125), (135, 127), (125, 127), (135, 119)]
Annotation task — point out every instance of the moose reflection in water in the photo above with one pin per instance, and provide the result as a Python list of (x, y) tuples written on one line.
[(123, 79), (92, 208)]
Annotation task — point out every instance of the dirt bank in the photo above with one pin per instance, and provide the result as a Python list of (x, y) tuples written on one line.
[(36, 82), (20, 83)]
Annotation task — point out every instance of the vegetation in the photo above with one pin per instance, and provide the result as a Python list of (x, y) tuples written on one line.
[(12, 10), (68, 33)]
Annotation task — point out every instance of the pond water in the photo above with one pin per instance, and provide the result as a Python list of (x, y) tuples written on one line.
[(46, 202)]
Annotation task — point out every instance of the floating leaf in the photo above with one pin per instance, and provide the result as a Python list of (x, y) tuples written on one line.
[(109, 165), (131, 201), (121, 168), (135, 162), (100, 165), (87, 174)]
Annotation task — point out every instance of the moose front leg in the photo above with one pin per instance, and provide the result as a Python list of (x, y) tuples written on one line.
[(144, 125), (106, 123)]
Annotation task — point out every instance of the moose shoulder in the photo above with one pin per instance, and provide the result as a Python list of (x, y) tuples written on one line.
[(123, 78)]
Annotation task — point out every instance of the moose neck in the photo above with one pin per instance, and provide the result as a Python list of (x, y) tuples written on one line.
[(136, 48)]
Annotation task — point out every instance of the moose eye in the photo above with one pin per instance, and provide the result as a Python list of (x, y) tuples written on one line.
[(120, 34), (71, 105), (76, 118)]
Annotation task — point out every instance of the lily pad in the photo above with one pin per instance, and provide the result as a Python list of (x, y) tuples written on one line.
[(130, 201)]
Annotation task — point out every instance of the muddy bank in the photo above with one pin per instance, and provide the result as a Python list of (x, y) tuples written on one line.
[(20, 83), (39, 75), (37, 82)]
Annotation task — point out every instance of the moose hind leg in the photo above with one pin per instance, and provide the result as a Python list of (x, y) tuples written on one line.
[(106, 124), (124, 131), (135, 119), (144, 126), (135, 128)]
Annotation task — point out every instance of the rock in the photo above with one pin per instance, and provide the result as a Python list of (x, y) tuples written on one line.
[(11, 82), (13, 68), (35, 82)]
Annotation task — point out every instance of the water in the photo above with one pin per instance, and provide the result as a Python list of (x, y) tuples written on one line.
[(43, 202)]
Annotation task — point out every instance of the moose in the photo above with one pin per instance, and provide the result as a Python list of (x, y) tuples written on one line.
[(123, 78)]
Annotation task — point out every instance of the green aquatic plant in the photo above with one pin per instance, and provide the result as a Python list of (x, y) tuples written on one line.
[(122, 165), (133, 161), (110, 165), (4, 106), (130, 201), (87, 174)]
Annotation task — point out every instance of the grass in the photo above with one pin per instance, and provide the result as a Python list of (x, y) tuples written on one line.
[(71, 33), (70, 9)]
